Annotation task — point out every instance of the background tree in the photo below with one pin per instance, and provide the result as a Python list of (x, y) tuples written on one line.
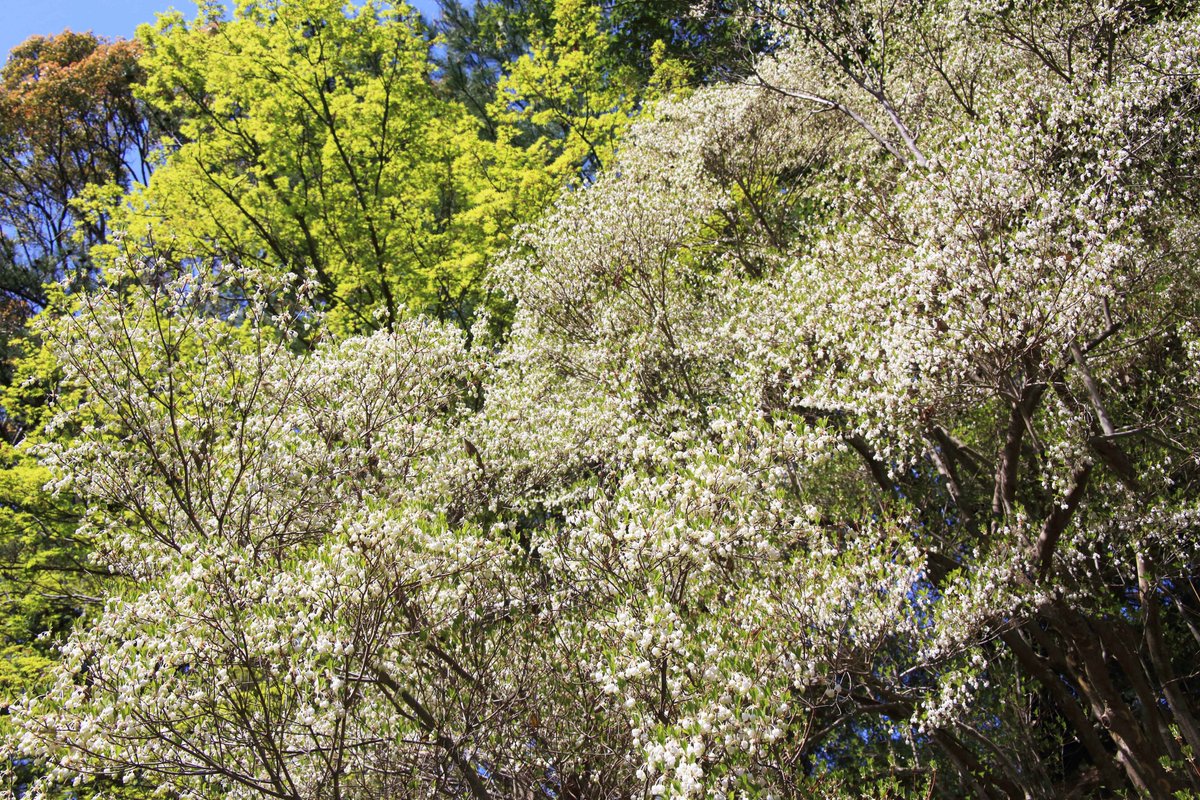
[(481, 40), (69, 124), (566, 77), (313, 142)]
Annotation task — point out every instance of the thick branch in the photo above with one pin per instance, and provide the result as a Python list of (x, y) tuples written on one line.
[(1161, 660), (947, 469), (1010, 455), (1105, 446), (427, 721), (1059, 518), (1065, 703), (873, 464)]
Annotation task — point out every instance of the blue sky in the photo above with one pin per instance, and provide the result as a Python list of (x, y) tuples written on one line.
[(20, 19)]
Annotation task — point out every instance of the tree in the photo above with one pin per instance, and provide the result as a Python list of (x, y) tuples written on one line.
[(375, 598), (566, 78), (69, 125), (483, 40), (573, 90), (927, 360), (312, 142), (843, 444)]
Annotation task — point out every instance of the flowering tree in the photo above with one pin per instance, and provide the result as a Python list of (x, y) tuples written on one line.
[(843, 443), (923, 370)]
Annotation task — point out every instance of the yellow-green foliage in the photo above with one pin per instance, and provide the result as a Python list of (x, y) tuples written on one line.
[(40, 572), (22, 660), (572, 88), (45, 576), (313, 142)]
